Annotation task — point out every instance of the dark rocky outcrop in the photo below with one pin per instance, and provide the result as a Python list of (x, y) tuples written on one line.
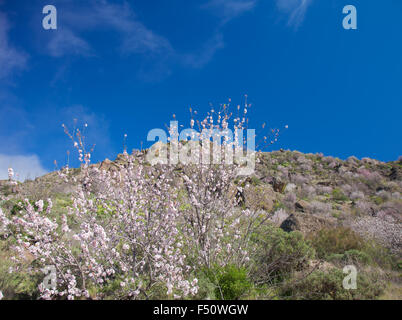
[(290, 224)]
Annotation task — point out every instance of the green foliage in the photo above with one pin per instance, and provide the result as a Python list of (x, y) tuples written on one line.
[(6, 189), (16, 208), (353, 256), (380, 256), (231, 282), (338, 195), (377, 200), (277, 253), (21, 284), (337, 240), (344, 245), (278, 205), (255, 181), (322, 285), (10, 205)]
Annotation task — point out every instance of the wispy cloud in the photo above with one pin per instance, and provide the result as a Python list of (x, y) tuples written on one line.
[(99, 15), (295, 9), (230, 9), (134, 37), (65, 42), (25, 166), (11, 59), (201, 58)]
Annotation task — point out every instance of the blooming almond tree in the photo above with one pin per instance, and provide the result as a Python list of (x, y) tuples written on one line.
[(136, 229), (125, 232)]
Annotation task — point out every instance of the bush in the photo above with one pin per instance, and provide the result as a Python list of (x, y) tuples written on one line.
[(231, 282), (322, 285), (277, 253), (18, 283), (336, 241), (344, 245), (354, 257), (338, 195)]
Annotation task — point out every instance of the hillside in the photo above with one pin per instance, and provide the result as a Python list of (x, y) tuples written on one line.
[(348, 212)]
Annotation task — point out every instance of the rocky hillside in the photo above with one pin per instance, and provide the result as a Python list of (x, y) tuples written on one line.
[(335, 204), (303, 192)]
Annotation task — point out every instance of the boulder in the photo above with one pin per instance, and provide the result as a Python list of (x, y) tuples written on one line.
[(395, 174), (290, 224), (301, 205)]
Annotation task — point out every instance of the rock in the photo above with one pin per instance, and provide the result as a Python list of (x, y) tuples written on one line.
[(108, 165), (395, 174), (326, 183), (302, 205), (290, 224), (291, 187), (278, 185), (105, 164)]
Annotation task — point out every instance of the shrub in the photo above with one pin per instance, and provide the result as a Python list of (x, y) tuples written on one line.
[(290, 200), (354, 257), (299, 179), (357, 195), (231, 282), (338, 195), (336, 240), (322, 285), (277, 253), (318, 207), (322, 190), (363, 207), (307, 191), (17, 284)]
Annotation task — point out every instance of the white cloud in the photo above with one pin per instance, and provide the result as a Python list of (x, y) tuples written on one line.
[(135, 36), (10, 58), (66, 42), (25, 166), (295, 9), (229, 9)]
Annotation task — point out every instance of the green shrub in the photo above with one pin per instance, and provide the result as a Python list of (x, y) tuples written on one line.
[(231, 282), (337, 240), (338, 195), (344, 245), (353, 256), (380, 256), (21, 284), (377, 200), (322, 285), (255, 181), (277, 253)]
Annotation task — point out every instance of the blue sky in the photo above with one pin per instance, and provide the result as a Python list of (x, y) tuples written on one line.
[(127, 66)]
